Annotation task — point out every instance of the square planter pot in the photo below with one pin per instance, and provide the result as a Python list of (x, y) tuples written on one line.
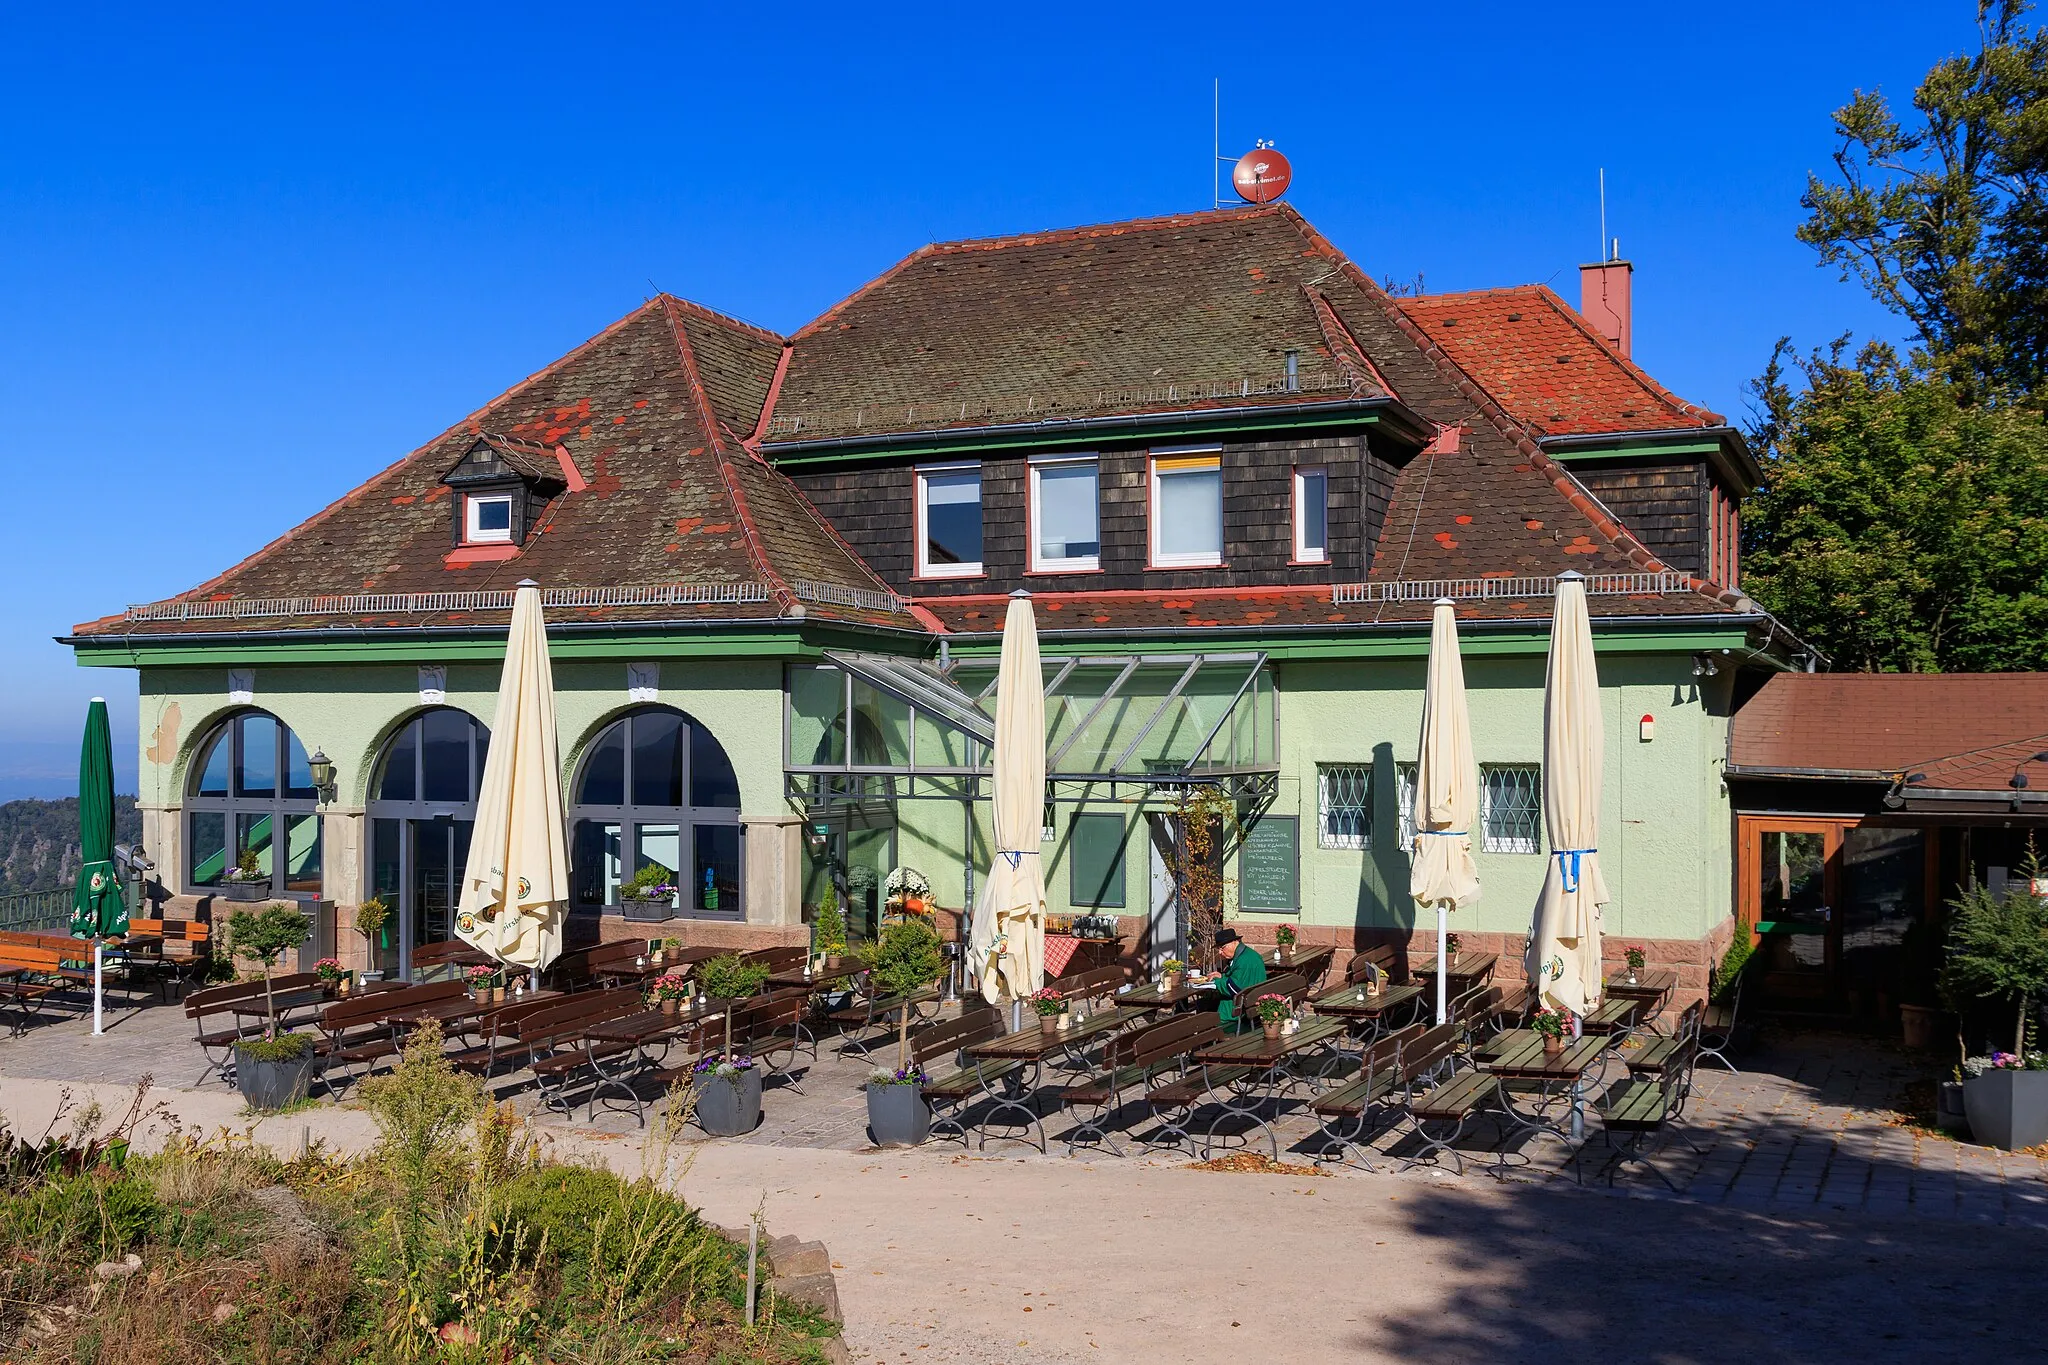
[(2008, 1109), (647, 912), (729, 1106), (1949, 1114), (247, 891), (898, 1115), (272, 1085)]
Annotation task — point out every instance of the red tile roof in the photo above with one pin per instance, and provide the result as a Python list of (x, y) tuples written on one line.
[(1966, 731), (1547, 366)]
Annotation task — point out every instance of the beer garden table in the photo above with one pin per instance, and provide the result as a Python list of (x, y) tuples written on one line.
[(1518, 1055), (1356, 1004), (832, 970), (1653, 988), (1154, 996), (1032, 1045), (640, 1031), (1245, 1096)]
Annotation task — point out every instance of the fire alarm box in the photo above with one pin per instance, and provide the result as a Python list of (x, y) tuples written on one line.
[(1649, 728)]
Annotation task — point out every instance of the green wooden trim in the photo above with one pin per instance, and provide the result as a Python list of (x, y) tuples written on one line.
[(1661, 450), (922, 445), (1412, 645)]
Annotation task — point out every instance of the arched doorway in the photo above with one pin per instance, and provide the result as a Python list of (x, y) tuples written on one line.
[(656, 788), (251, 793), (421, 810)]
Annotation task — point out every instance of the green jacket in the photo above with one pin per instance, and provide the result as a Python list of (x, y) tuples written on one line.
[(1246, 970)]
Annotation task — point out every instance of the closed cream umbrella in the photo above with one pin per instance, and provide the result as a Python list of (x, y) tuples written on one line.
[(516, 887), (1441, 874), (1564, 945), (1006, 946)]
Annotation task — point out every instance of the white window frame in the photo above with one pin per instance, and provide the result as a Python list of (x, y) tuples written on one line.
[(925, 568), (473, 532), (1404, 830), (1324, 774), (1302, 554), (1161, 560), (1489, 840), (1072, 563)]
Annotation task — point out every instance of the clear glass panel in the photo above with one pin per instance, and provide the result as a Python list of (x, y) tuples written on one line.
[(712, 780), (941, 746), (663, 845), (209, 845), (717, 886), (604, 772), (401, 766), (1190, 514), (881, 728), (298, 771), (483, 753), (1315, 514), (492, 514), (445, 765), (658, 741), (1095, 853), (385, 867), (952, 518), (1344, 802), (1067, 512), (256, 832), (1883, 885), (213, 769), (257, 775), (594, 862), (1511, 810), (439, 848), (1793, 901), (302, 853), (817, 730)]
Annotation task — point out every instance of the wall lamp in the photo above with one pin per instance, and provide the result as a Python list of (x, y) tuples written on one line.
[(1703, 666), (321, 768)]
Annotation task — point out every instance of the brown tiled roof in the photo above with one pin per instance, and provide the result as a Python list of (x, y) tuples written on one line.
[(652, 413), (1965, 731), (1547, 366), (1193, 311)]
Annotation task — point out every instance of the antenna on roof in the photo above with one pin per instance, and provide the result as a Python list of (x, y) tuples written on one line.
[(1604, 257)]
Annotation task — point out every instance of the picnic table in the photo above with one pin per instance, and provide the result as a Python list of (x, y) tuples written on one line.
[(1467, 970), (1246, 1070), (640, 1031), (1517, 1057), (831, 970), (1651, 988), (1359, 1006), (646, 969), (1153, 995), (1307, 963), (285, 1002), (1033, 1045)]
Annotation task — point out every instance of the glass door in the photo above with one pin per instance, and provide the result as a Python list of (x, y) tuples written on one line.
[(1791, 874)]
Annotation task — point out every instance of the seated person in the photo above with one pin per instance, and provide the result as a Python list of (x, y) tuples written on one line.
[(1241, 972)]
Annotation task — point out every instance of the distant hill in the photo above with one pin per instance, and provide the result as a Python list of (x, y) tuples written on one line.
[(39, 841)]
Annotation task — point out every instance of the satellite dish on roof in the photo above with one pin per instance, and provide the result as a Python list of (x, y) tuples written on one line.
[(1261, 175)]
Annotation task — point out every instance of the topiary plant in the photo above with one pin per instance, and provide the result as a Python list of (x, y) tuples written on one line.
[(828, 926), (1998, 949), (263, 936), (907, 960)]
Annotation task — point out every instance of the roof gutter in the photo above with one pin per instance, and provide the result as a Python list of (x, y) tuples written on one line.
[(1391, 410), (142, 641), (1466, 625)]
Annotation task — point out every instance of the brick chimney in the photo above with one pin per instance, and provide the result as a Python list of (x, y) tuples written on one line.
[(1604, 301)]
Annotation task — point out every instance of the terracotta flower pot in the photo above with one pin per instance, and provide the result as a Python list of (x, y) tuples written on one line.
[(1049, 1024), (670, 1006), (1272, 1030), (1552, 1046)]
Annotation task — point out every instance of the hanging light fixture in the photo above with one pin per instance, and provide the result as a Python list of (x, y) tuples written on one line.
[(321, 767)]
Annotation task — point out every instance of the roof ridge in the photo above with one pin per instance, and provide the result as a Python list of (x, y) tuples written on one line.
[(1337, 334), (756, 551), (1514, 432), (713, 315), (1573, 317), (470, 423)]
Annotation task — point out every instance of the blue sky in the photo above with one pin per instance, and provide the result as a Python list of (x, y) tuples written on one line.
[(249, 257)]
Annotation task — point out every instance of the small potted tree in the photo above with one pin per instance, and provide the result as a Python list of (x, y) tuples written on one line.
[(1998, 951), (373, 922), (276, 1069), (907, 960)]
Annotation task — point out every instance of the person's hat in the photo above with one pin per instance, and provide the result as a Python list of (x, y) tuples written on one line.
[(1225, 935)]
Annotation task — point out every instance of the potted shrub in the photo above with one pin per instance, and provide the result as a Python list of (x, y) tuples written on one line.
[(1549, 1026), (1634, 957), (373, 922), (650, 897), (728, 1094), (1285, 937), (1998, 951), (1048, 1004), (907, 960), (1271, 1011), (1173, 974), (828, 927), (275, 1070), (246, 880)]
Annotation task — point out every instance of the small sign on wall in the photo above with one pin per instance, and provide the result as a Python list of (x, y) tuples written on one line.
[(433, 684), (241, 686), (643, 682)]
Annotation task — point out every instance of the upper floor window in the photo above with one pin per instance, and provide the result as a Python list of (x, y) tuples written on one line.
[(949, 521), (1066, 531), (1187, 508), (487, 520), (1511, 808), (1311, 515)]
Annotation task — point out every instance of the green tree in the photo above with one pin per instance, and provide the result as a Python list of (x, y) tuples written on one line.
[(1897, 530), (1943, 214), (263, 936), (908, 959), (1998, 950)]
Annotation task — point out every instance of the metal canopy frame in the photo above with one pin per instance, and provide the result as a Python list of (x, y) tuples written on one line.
[(1247, 765)]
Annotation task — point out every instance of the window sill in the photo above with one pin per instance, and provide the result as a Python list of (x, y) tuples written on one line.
[(927, 577), (1322, 563), (1204, 566), (1061, 573), (478, 554)]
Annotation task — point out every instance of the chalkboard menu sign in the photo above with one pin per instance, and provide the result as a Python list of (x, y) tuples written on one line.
[(1269, 864)]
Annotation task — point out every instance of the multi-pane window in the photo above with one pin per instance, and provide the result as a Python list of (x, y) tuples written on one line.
[(1065, 516), (489, 521), (949, 521), (253, 800), (1187, 508), (1311, 515), (1344, 805), (1511, 808)]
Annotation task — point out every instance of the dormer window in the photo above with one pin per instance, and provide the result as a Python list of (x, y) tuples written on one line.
[(489, 519)]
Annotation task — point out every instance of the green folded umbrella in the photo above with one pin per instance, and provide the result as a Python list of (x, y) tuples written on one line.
[(98, 908)]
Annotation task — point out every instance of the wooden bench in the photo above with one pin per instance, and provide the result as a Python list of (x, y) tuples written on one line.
[(1433, 1091), (580, 968), (1131, 1063), (1651, 1058), (1638, 1109), (1347, 1111), (353, 1030), (968, 1077), (770, 1029), (1095, 984), (195, 934), (558, 1044), (40, 971), (207, 1008), (498, 1035), (448, 956), (1173, 1104), (865, 1014), (778, 959)]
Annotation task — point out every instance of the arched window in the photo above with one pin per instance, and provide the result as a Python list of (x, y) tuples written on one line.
[(422, 809), (252, 793), (656, 788)]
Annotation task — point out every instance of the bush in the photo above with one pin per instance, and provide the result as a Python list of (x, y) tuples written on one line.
[(424, 1109), (1740, 951), (730, 977), (286, 1047), (1998, 950)]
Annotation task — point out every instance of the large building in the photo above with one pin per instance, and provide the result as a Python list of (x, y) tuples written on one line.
[(1232, 472)]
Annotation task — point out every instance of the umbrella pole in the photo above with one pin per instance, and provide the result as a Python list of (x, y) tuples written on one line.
[(98, 986), (1443, 968)]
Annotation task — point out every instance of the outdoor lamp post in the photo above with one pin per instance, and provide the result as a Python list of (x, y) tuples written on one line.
[(322, 769)]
